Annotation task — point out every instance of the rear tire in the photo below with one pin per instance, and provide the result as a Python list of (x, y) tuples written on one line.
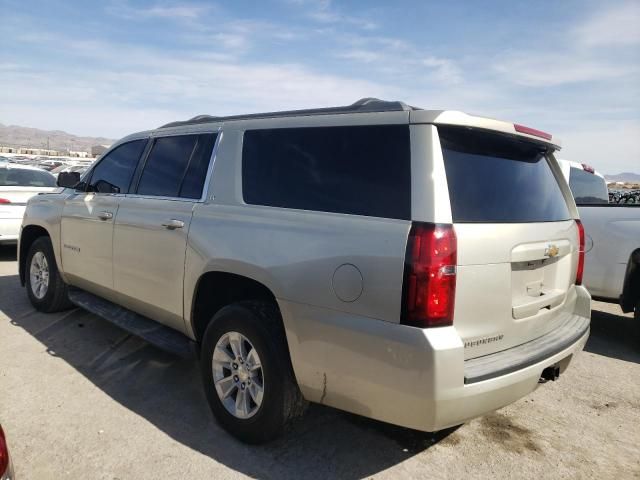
[(45, 287), (280, 402)]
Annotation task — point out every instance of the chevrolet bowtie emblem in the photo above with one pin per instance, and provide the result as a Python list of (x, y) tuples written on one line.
[(552, 251)]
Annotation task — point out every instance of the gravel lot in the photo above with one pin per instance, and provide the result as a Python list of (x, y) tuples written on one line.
[(81, 399)]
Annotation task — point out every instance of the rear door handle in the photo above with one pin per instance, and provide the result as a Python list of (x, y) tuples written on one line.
[(173, 224), (105, 215)]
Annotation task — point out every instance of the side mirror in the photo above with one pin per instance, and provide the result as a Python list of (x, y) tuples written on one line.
[(68, 179), (102, 186)]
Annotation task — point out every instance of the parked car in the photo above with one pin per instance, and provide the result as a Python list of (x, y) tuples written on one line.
[(18, 183), (612, 264), (69, 168), (360, 257), (6, 466)]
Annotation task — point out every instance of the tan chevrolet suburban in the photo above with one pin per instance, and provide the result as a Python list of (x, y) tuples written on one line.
[(417, 267)]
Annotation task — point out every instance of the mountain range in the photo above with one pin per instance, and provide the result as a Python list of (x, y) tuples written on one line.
[(15, 136), (623, 177)]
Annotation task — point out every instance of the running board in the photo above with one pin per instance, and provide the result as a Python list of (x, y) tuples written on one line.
[(163, 337)]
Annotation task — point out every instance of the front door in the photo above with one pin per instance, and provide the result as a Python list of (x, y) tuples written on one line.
[(88, 216)]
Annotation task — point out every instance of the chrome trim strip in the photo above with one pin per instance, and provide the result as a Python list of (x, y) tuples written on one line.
[(212, 162)]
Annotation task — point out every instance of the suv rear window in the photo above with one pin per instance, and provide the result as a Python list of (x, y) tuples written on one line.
[(361, 170), (587, 187), (18, 177), (497, 178)]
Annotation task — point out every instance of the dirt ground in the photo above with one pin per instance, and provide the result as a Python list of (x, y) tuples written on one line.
[(81, 399)]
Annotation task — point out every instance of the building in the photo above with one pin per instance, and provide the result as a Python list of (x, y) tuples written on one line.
[(78, 154), (98, 150), (30, 151)]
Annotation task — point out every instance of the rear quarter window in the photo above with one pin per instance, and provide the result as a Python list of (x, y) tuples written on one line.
[(587, 188), (498, 178), (362, 170)]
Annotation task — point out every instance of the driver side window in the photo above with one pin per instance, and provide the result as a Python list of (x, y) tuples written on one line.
[(114, 172)]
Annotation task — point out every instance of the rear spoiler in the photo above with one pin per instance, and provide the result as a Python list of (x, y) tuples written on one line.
[(450, 117)]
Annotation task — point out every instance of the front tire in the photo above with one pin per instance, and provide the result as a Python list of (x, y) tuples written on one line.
[(247, 373), (45, 287)]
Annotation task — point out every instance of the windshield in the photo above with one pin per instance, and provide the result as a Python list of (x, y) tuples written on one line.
[(19, 177), (498, 178), (587, 187)]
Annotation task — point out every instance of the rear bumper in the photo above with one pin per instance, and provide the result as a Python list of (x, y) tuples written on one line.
[(475, 399), (410, 376), (9, 229), (522, 356)]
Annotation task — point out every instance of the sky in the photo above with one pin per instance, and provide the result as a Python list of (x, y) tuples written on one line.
[(113, 67)]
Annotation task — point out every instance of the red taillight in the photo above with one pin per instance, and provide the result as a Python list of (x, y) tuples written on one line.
[(430, 276), (588, 168), (4, 454), (532, 131), (580, 270), (4, 201)]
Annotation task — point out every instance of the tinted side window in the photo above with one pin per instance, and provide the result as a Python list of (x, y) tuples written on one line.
[(197, 171), (113, 173), (166, 164), (587, 187), (177, 166), (497, 178), (356, 170)]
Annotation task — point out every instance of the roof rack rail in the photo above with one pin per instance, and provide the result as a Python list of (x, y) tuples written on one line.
[(364, 105)]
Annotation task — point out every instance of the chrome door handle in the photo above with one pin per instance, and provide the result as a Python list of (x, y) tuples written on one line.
[(105, 215), (173, 224)]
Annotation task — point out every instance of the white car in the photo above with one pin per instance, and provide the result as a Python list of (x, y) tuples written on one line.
[(18, 183), (612, 260)]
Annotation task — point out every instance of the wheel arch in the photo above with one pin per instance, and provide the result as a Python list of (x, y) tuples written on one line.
[(28, 235), (216, 289)]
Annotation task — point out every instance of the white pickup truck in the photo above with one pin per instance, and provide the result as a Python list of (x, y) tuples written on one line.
[(612, 261)]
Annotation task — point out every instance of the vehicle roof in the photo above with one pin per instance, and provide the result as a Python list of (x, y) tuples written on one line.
[(577, 165), (364, 105), (17, 166), (412, 114)]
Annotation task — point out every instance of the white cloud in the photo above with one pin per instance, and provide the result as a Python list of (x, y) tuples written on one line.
[(548, 69), (323, 11), (614, 26), (163, 87), (446, 70), (610, 147), (175, 11), (179, 11), (365, 56), (570, 56), (86, 85)]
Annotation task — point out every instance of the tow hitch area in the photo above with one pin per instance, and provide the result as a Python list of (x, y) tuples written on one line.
[(550, 374)]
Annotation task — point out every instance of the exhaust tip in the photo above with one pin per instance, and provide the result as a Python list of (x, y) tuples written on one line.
[(550, 374)]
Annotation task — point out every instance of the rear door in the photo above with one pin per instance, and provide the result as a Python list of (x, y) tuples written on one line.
[(152, 225), (517, 241), (88, 215)]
